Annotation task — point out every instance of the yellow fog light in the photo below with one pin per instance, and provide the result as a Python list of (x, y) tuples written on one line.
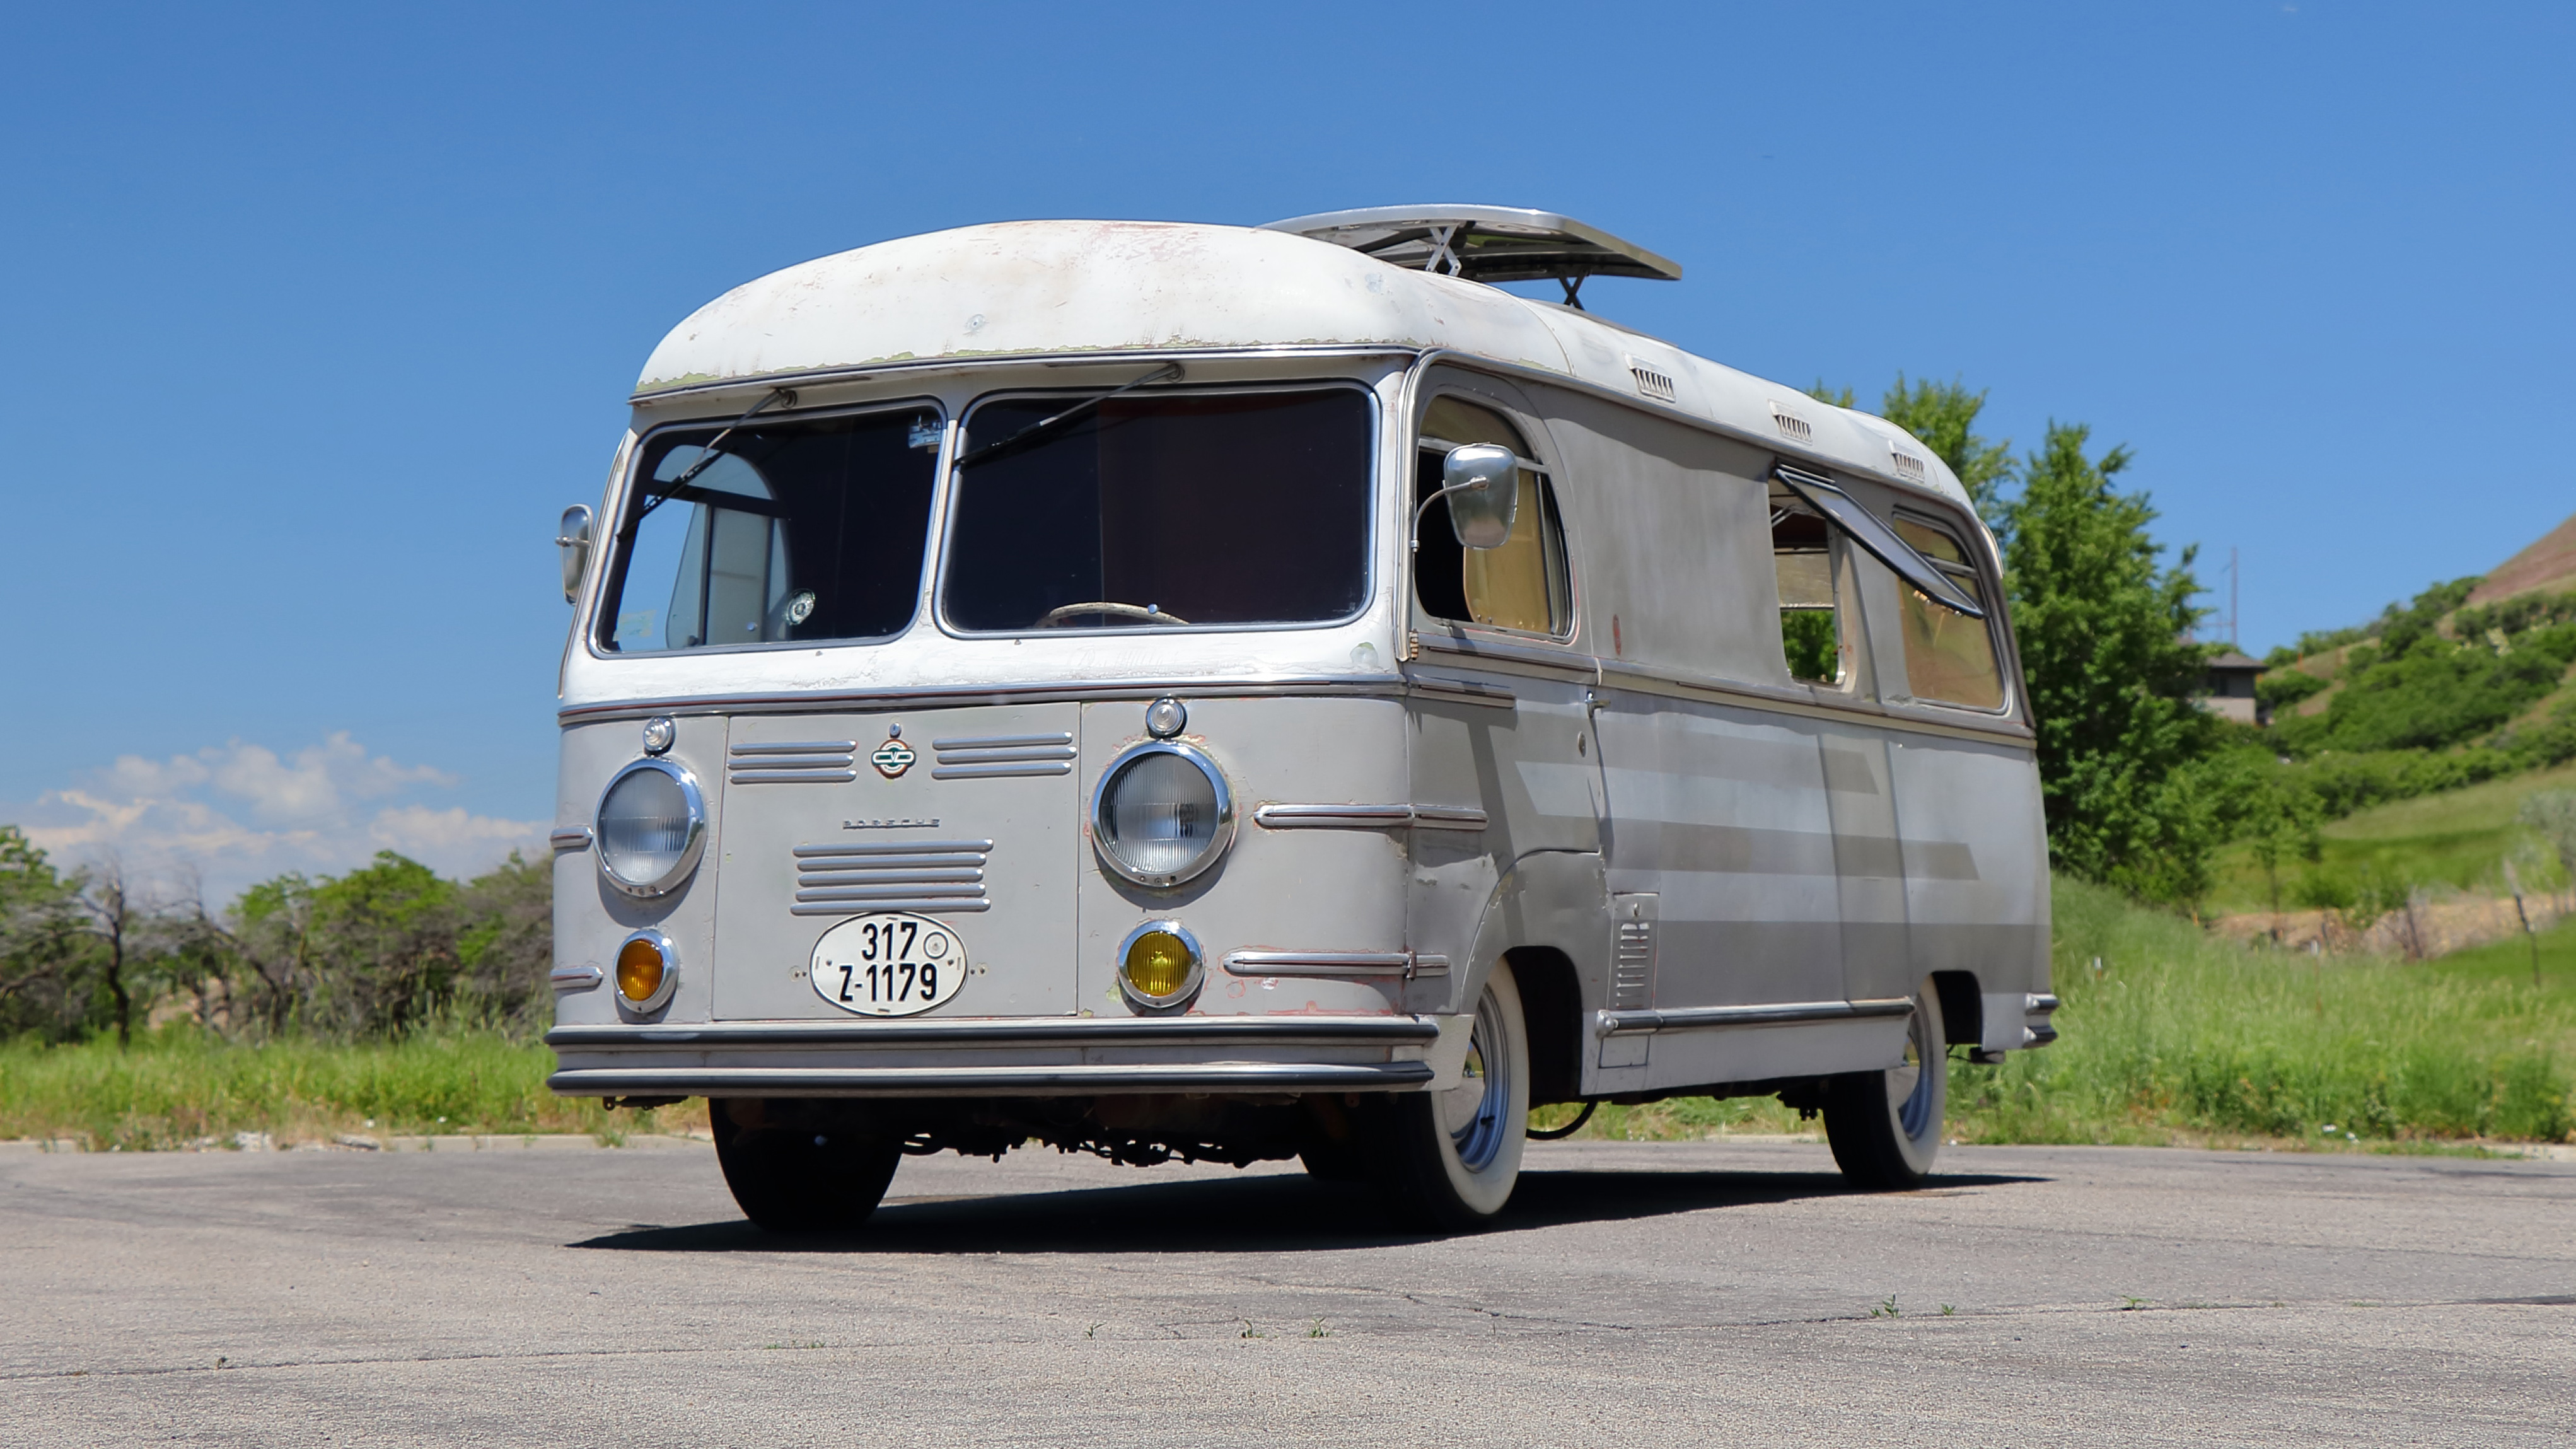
[(1158, 964), (647, 969)]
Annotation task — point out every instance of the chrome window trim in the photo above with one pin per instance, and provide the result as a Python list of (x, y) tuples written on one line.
[(1189, 987), (1218, 843), (944, 514), (661, 996), (612, 568), (690, 850)]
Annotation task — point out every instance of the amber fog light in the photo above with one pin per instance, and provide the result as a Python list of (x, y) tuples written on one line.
[(647, 970), (1159, 964)]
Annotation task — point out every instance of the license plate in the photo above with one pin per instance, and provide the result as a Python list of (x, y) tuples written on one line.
[(888, 964)]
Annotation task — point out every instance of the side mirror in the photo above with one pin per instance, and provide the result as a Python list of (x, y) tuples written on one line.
[(573, 538), (1483, 484)]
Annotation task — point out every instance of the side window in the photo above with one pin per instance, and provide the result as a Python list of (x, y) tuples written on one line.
[(1949, 657), (1811, 618), (1521, 585)]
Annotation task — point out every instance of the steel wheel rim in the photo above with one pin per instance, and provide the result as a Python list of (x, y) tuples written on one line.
[(1909, 1086), (1472, 1111)]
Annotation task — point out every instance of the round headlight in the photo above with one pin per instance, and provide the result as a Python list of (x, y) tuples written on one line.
[(652, 826), (1159, 964), (1162, 814)]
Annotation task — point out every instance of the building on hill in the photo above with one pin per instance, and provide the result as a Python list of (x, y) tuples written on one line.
[(2231, 689), (2549, 563)]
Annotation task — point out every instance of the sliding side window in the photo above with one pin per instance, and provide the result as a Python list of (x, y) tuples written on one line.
[(1811, 624), (1521, 585), (1949, 657)]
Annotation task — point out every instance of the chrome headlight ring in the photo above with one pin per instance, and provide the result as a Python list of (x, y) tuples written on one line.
[(692, 846), (1104, 798)]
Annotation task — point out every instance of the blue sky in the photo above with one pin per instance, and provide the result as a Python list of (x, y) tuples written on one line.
[(317, 316)]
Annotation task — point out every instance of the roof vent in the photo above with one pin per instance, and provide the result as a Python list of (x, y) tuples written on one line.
[(1485, 244), (1791, 425), (1652, 381), (1908, 466)]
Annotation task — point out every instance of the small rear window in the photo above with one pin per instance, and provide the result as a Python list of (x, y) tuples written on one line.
[(1949, 657)]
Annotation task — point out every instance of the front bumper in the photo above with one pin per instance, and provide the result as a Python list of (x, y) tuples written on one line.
[(1067, 1056)]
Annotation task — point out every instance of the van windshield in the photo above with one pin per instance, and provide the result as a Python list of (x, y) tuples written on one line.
[(1164, 510), (795, 531)]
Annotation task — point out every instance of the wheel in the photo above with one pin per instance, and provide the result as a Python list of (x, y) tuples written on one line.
[(1447, 1161), (1885, 1126), (794, 1168)]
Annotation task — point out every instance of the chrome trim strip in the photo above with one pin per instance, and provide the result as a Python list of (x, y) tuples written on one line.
[(575, 978), (1369, 817), (571, 837), (1466, 690), (791, 777), (821, 865), (1366, 686), (892, 847), (925, 905), (841, 761), (1262, 1077), (987, 772), (1002, 742), (1406, 964), (984, 1031), (798, 747), (1777, 700), (1793, 1013), (853, 875), (997, 755)]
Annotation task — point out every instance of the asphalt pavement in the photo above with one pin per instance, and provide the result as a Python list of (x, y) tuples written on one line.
[(1637, 1295)]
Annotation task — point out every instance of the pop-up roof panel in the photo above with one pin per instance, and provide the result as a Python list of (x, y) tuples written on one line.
[(1484, 243)]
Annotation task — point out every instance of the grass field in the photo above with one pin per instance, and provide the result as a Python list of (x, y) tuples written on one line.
[(2178, 1037), (2458, 838)]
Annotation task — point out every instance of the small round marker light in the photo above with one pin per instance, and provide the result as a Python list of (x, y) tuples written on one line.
[(1158, 965), (659, 732), (646, 970), (1166, 717)]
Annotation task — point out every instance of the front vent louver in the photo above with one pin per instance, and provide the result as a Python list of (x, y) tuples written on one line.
[(992, 755), (821, 761), (939, 877), (1652, 381), (1908, 467), (1791, 425)]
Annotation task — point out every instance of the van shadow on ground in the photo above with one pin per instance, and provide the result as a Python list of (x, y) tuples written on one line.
[(1280, 1213)]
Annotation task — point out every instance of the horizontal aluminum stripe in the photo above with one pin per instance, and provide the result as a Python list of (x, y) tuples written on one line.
[(988, 772), (575, 978), (886, 877), (892, 847), (995, 757), (941, 907), (790, 777), (1368, 817), (1001, 742), (819, 864), (1691, 1018), (1360, 686), (986, 1031), (575, 838), (984, 1081), (1335, 963), (798, 747), (918, 889)]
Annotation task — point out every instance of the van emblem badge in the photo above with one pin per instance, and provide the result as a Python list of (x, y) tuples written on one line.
[(893, 757)]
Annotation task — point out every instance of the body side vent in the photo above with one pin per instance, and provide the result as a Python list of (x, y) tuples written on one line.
[(1652, 381), (1791, 425), (1908, 467)]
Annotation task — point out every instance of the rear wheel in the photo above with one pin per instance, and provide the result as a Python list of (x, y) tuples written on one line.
[(1885, 1126), (795, 1168), (1447, 1161)]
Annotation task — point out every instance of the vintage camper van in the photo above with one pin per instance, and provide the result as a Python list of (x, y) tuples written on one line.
[(1239, 694)]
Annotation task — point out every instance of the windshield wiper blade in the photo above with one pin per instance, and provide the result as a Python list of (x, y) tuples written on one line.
[(1074, 414), (707, 456)]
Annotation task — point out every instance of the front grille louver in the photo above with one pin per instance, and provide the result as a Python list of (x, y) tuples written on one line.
[(934, 876), (820, 761), (988, 756)]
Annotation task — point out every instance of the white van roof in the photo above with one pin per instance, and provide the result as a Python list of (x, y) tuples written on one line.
[(1054, 289)]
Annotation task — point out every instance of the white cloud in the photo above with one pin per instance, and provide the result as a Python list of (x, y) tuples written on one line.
[(233, 814)]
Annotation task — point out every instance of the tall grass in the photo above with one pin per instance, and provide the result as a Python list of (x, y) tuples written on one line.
[(179, 1086)]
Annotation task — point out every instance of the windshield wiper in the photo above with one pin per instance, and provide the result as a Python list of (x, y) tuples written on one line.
[(707, 456), (1073, 414)]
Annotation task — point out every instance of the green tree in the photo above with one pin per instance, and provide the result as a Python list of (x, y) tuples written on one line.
[(2102, 626)]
